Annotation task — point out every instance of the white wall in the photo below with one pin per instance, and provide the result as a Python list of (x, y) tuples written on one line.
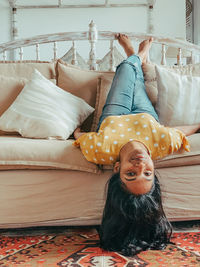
[(169, 19), (196, 10), (4, 21)]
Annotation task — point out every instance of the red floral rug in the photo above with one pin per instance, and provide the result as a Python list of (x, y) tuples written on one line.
[(79, 247)]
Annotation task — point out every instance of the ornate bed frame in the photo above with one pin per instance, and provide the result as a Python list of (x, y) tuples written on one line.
[(93, 35)]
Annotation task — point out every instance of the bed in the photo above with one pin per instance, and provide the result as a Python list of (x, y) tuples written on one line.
[(46, 181)]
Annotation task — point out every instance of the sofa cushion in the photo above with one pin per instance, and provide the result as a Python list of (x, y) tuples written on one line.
[(82, 83), (44, 110), (24, 69), (17, 152), (103, 87), (9, 89), (180, 158)]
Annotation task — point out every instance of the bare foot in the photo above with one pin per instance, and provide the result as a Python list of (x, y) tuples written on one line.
[(144, 48), (125, 42)]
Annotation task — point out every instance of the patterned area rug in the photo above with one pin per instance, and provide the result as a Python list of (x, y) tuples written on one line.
[(61, 246)]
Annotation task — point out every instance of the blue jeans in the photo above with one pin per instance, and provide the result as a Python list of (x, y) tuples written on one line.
[(127, 94)]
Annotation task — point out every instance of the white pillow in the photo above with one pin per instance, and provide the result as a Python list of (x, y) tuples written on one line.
[(151, 79), (178, 98), (43, 110)]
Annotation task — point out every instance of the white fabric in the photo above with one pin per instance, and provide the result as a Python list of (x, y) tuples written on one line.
[(151, 79), (178, 98), (43, 110)]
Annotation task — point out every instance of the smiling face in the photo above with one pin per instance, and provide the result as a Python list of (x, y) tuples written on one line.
[(136, 168)]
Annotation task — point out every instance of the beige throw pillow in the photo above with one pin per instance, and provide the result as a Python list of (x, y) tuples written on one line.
[(178, 98), (43, 110), (9, 90), (81, 83), (24, 69)]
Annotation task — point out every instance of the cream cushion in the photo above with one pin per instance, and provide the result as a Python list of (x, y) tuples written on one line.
[(151, 80), (178, 98), (24, 69), (43, 110), (81, 83), (24, 153)]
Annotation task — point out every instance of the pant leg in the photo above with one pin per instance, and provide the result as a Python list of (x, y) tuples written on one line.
[(141, 102), (122, 98)]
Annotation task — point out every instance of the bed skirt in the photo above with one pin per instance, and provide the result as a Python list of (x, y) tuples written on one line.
[(59, 197)]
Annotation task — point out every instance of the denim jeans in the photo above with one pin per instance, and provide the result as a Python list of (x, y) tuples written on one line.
[(127, 94)]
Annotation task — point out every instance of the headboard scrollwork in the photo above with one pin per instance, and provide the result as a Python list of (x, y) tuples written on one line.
[(93, 36)]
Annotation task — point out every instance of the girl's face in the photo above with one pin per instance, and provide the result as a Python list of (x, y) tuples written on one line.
[(136, 168)]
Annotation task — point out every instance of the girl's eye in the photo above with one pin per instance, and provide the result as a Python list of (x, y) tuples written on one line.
[(148, 173), (131, 174)]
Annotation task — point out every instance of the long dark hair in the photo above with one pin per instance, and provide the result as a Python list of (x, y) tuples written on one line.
[(132, 223)]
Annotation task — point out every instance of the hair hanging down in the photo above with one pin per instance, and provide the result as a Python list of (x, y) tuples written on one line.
[(132, 223)]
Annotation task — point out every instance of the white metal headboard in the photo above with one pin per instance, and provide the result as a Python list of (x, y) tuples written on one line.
[(92, 35)]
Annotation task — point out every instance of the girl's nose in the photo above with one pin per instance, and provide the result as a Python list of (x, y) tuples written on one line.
[(139, 163)]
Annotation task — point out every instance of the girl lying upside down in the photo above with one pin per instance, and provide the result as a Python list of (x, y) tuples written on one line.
[(130, 136)]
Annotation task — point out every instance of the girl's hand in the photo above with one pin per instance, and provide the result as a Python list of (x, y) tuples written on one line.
[(78, 133)]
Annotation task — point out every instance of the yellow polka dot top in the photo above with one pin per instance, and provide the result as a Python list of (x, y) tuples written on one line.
[(115, 131)]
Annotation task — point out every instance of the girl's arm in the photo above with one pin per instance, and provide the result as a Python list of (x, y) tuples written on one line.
[(188, 129)]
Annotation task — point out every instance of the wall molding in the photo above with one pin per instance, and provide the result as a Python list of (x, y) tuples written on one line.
[(105, 4), (149, 4)]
